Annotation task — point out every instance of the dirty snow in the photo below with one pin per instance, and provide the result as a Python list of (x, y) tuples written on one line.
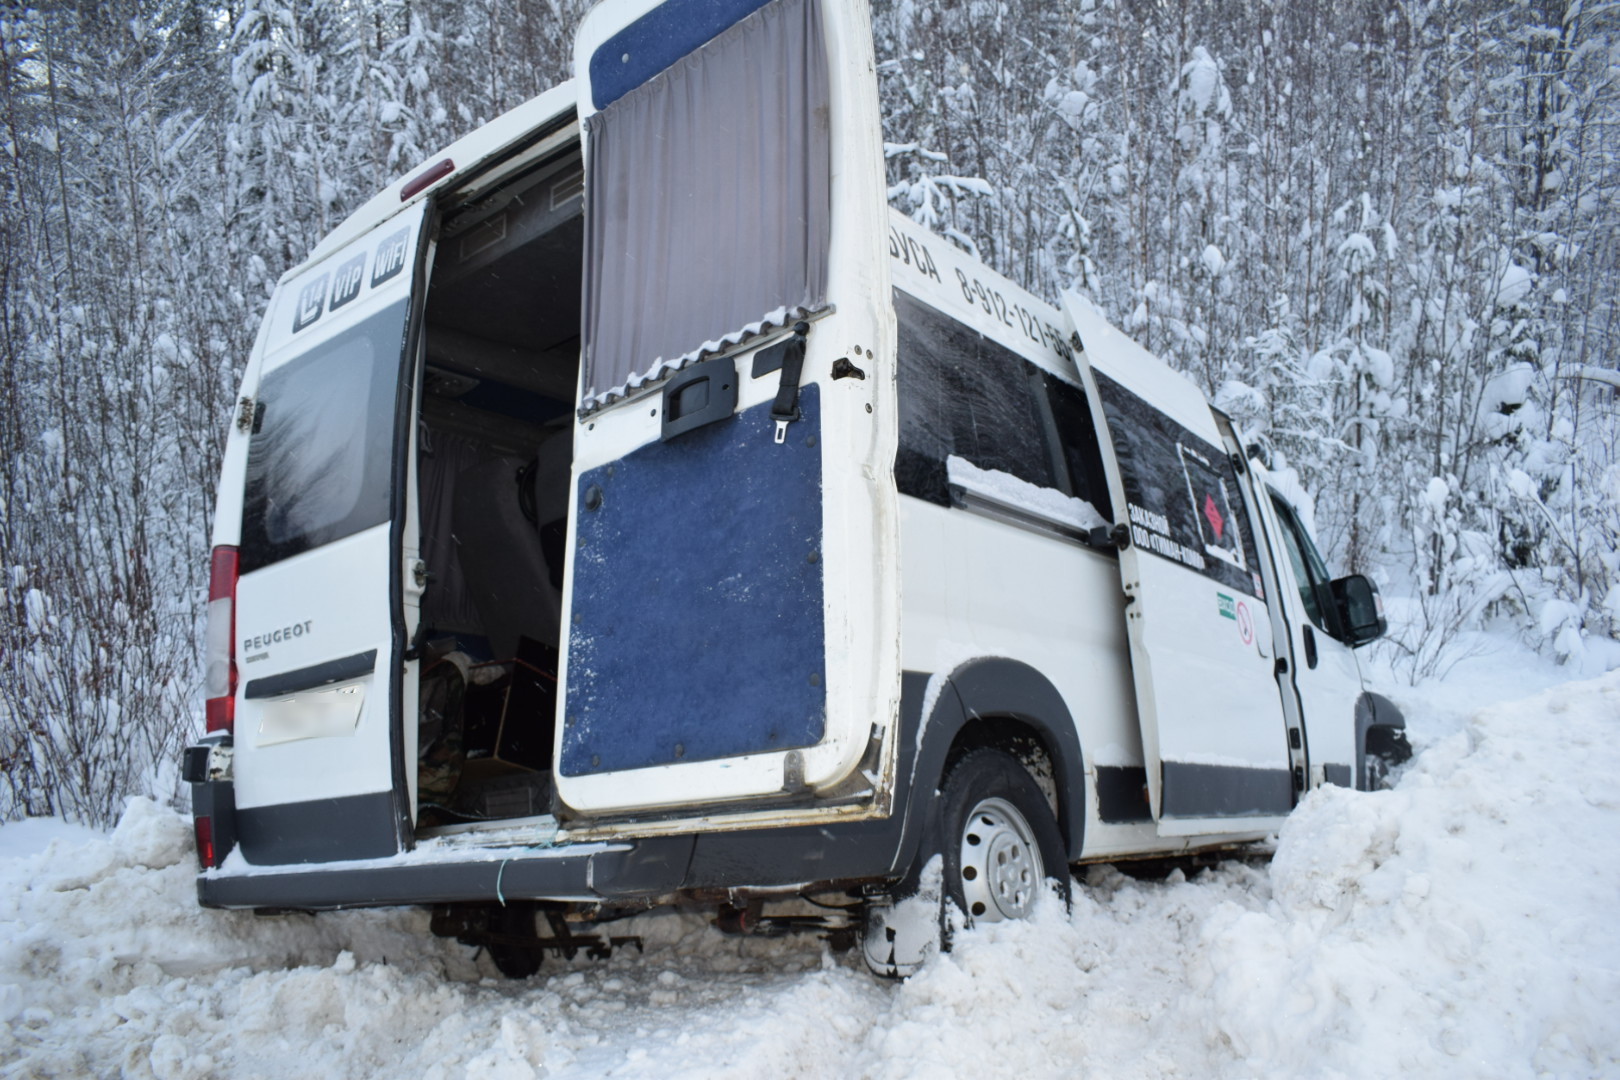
[(1461, 924)]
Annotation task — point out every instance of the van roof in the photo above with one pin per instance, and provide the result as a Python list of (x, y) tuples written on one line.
[(468, 153)]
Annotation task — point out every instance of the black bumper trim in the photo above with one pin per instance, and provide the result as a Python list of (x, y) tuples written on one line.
[(630, 870)]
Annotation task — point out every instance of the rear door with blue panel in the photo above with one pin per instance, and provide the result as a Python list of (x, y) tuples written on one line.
[(731, 615)]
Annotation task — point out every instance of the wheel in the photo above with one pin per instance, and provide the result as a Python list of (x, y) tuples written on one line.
[(511, 940), (992, 845), (1000, 842), (1385, 748)]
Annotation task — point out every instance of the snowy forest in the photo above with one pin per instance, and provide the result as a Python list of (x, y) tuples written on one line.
[(1383, 237)]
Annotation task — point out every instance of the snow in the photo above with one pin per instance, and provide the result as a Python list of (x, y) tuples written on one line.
[(1020, 494), (1513, 286), (1203, 77), (1457, 925)]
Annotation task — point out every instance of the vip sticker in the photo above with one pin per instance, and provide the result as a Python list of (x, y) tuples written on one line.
[(346, 283)]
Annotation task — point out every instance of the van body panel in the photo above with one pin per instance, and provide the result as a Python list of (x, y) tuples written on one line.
[(1211, 717), (319, 539), (782, 553), (738, 539)]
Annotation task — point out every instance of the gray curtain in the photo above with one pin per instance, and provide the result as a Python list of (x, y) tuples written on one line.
[(707, 205)]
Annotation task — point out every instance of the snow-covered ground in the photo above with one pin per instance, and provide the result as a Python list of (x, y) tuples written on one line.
[(1466, 923)]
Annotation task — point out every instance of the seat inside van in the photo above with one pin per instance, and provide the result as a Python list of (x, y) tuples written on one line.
[(494, 449)]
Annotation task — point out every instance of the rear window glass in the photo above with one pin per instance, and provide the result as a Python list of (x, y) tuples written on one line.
[(962, 394), (322, 445)]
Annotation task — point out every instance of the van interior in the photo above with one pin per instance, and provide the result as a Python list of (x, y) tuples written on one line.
[(494, 447)]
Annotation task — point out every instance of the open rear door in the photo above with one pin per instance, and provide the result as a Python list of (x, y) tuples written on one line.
[(326, 597), (730, 600), (1212, 723)]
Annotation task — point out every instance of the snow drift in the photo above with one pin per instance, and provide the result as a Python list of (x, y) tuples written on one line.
[(1460, 924)]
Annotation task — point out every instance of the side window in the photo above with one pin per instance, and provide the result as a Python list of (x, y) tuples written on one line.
[(1310, 572), (962, 394), (1211, 491), (1077, 440), (1182, 497)]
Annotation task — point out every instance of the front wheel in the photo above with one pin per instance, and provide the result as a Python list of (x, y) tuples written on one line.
[(1383, 750)]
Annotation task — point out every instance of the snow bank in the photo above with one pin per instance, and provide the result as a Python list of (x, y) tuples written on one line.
[(1459, 925)]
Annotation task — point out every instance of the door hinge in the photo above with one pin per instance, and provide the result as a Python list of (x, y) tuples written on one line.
[(1299, 778), (417, 577)]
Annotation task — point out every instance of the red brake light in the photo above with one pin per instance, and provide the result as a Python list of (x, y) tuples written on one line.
[(219, 653), (426, 178), (205, 841)]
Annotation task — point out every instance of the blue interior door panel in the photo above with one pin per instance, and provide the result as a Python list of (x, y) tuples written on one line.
[(697, 629)]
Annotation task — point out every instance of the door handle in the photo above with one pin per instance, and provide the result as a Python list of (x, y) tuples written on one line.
[(1310, 648), (702, 394)]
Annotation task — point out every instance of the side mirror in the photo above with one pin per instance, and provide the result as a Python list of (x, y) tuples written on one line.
[(1361, 607)]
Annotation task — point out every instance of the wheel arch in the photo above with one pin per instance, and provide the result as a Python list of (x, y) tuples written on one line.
[(1004, 704), (1377, 717)]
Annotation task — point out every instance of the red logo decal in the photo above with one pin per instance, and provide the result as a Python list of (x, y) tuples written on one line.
[(1213, 513)]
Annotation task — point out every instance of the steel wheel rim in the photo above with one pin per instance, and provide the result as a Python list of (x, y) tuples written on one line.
[(1001, 864)]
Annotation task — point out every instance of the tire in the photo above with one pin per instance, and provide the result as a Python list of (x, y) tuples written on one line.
[(509, 927), (1384, 749), (999, 840)]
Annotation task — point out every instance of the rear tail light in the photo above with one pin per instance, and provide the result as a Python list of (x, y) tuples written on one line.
[(219, 653), (205, 842)]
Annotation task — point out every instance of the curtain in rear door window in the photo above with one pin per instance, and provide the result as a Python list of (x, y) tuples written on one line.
[(707, 207)]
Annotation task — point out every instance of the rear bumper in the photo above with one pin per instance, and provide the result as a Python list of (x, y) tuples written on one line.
[(587, 873)]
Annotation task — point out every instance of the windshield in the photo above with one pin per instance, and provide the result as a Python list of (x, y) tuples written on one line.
[(322, 443)]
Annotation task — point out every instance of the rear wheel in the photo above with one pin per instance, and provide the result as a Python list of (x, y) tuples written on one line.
[(1000, 840), (513, 943), (994, 844)]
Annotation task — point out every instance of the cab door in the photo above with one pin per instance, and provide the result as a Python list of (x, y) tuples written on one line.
[(1322, 669), (326, 594), (1211, 717), (730, 595)]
